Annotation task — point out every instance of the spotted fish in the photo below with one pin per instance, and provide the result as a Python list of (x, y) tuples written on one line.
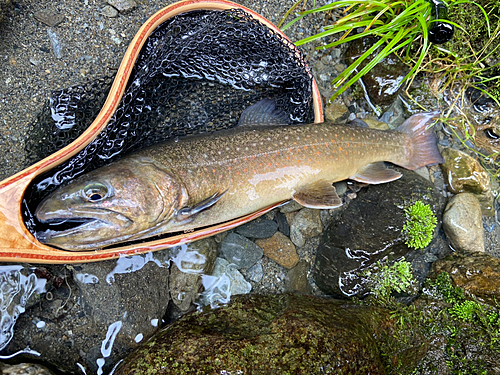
[(204, 180)]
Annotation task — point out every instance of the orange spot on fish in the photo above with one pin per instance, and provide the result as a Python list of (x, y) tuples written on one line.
[(326, 144), (347, 144), (261, 165), (298, 161), (232, 180), (229, 168), (278, 152), (245, 170), (340, 148), (255, 171), (269, 164), (318, 153), (213, 170), (310, 160), (288, 158), (305, 147)]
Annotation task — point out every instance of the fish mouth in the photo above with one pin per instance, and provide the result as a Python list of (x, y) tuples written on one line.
[(77, 229)]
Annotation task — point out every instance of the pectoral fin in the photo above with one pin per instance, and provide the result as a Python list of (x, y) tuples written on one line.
[(187, 214), (321, 194), (376, 173)]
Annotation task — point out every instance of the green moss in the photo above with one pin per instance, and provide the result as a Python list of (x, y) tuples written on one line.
[(420, 225), (383, 280)]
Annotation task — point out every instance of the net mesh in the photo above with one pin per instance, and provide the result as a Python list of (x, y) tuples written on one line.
[(196, 73)]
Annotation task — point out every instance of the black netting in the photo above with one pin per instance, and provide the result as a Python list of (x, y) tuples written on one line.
[(196, 73)]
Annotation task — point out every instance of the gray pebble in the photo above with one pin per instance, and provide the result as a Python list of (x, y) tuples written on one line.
[(260, 228), (240, 251), (48, 17), (109, 11), (306, 224), (255, 273), (123, 6)]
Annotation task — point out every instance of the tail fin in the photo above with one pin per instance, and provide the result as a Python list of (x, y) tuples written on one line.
[(423, 144)]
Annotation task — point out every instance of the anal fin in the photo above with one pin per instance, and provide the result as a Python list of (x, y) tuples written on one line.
[(376, 173), (320, 194)]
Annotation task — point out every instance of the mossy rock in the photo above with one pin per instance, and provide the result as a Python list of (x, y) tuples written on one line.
[(285, 334)]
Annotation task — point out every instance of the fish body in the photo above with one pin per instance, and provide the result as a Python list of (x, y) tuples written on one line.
[(205, 180)]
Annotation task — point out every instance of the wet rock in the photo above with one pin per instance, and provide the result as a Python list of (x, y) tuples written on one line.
[(370, 230), (123, 6), (464, 174), (477, 274), (98, 313), (260, 228), (306, 224), (394, 115), (463, 223), (255, 273), (224, 282), (109, 11), (48, 17), (188, 265), (24, 369), (267, 335), (382, 82), (280, 249), (240, 251), (296, 279)]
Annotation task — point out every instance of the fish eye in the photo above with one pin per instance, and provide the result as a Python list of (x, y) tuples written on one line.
[(95, 192)]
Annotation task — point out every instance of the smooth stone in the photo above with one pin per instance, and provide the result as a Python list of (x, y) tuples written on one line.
[(280, 249), (376, 124), (224, 282), (109, 11), (296, 279), (255, 273), (54, 42), (256, 334), (260, 228), (464, 174), (189, 264), (291, 206), (48, 17), (477, 273), (306, 224), (123, 6), (240, 251), (463, 223)]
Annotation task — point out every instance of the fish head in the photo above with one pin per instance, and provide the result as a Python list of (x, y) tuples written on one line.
[(109, 205)]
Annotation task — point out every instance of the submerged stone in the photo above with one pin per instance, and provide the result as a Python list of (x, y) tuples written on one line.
[(305, 224), (369, 231), (476, 273), (383, 81), (284, 334)]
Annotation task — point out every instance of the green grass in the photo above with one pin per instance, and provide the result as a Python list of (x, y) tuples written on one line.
[(398, 25)]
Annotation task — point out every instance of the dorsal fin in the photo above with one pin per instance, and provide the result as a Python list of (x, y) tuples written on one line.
[(264, 112)]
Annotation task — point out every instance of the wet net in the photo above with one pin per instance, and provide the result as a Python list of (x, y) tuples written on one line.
[(196, 73)]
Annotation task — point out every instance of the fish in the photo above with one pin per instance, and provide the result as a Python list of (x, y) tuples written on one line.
[(203, 180)]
